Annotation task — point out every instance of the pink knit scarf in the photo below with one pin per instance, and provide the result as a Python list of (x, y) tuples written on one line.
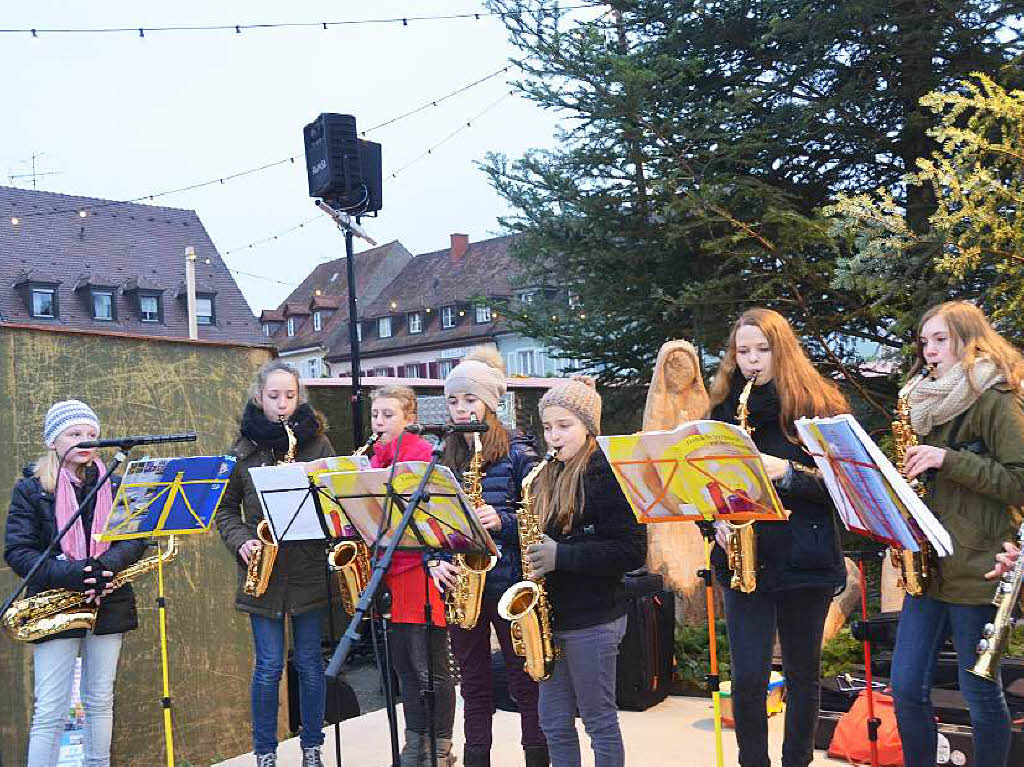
[(66, 502)]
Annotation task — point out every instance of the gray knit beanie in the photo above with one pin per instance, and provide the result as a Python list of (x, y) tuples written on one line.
[(64, 415), (579, 396), (483, 381)]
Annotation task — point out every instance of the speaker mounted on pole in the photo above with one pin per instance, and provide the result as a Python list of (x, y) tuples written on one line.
[(341, 168)]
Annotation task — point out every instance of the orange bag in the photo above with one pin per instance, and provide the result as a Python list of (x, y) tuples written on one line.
[(850, 740)]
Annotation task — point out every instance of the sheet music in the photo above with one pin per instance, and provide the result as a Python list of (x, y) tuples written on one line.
[(287, 503)]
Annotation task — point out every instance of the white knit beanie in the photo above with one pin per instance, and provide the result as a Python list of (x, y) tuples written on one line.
[(64, 415)]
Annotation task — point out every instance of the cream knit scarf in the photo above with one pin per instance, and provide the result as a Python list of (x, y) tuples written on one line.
[(936, 401)]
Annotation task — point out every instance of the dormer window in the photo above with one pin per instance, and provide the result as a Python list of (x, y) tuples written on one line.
[(44, 303), (384, 327), (267, 330), (483, 313), (447, 316), (204, 310), (149, 307), (102, 304), (415, 322), (291, 327), (317, 321), (527, 296)]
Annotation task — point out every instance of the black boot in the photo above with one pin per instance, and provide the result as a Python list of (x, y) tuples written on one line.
[(477, 756), (536, 756)]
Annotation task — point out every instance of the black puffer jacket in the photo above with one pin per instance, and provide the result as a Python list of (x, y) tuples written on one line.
[(298, 582), (32, 525), (502, 486), (604, 543), (803, 552)]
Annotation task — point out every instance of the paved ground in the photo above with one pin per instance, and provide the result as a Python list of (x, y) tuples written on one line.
[(678, 733)]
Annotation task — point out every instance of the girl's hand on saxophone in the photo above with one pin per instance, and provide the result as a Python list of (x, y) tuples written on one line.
[(444, 574), (99, 582), (1005, 561), (920, 458), (776, 467), (542, 557), (488, 517), (246, 549)]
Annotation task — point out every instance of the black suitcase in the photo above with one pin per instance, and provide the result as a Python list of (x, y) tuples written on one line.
[(645, 663)]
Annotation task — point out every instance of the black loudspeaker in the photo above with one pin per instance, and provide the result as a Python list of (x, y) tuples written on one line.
[(340, 168)]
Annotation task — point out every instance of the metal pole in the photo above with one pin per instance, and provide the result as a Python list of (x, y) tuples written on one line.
[(353, 341), (190, 292)]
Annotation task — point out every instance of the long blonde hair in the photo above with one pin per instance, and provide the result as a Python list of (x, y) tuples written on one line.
[(45, 470), (558, 491), (803, 391), (973, 336)]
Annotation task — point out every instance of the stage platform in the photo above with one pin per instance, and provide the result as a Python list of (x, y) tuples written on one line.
[(679, 731)]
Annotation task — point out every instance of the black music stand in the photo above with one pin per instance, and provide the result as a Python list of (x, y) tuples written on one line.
[(445, 521)]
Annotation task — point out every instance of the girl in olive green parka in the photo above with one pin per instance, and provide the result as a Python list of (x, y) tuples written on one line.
[(970, 427)]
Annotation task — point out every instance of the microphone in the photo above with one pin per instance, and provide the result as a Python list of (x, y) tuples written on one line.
[(442, 429), (142, 439), (345, 221)]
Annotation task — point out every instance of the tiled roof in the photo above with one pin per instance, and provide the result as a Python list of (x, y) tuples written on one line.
[(435, 279), (326, 289), (124, 245), (432, 281)]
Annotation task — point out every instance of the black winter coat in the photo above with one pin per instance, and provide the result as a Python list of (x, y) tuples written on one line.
[(603, 544), (805, 551), (32, 526), (502, 486), (298, 582)]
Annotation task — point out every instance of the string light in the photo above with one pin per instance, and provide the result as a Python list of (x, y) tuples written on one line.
[(238, 28), (266, 166)]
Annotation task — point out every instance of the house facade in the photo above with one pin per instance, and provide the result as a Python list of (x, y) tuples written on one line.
[(441, 305), (316, 312)]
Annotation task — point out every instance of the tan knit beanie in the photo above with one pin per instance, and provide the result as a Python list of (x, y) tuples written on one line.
[(480, 379), (579, 396)]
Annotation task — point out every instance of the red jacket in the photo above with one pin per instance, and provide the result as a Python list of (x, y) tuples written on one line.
[(406, 578)]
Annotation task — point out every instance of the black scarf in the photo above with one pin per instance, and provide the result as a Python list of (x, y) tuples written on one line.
[(266, 433), (763, 405)]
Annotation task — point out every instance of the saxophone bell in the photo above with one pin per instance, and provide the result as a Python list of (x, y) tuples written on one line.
[(350, 561)]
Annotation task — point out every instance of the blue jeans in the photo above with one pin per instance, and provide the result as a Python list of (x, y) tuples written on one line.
[(752, 620), (584, 680), (54, 671), (268, 644), (924, 625)]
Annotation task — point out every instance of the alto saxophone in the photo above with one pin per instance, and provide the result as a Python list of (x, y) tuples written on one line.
[(996, 635), (462, 601), (526, 604), (264, 553), (914, 567), (57, 610), (350, 559), (741, 539)]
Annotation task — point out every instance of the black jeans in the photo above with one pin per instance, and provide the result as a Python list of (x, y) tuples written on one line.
[(751, 620), (409, 654)]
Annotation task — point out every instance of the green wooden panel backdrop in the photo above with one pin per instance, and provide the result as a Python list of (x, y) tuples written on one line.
[(140, 386)]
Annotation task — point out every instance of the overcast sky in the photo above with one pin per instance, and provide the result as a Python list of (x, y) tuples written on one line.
[(120, 117)]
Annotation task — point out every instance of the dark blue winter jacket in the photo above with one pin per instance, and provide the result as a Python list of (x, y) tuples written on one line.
[(502, 486)]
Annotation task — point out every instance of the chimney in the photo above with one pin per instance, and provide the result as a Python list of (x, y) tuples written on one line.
[(460, 244)]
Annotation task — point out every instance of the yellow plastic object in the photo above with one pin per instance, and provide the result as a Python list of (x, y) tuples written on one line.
[(776, 689)]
